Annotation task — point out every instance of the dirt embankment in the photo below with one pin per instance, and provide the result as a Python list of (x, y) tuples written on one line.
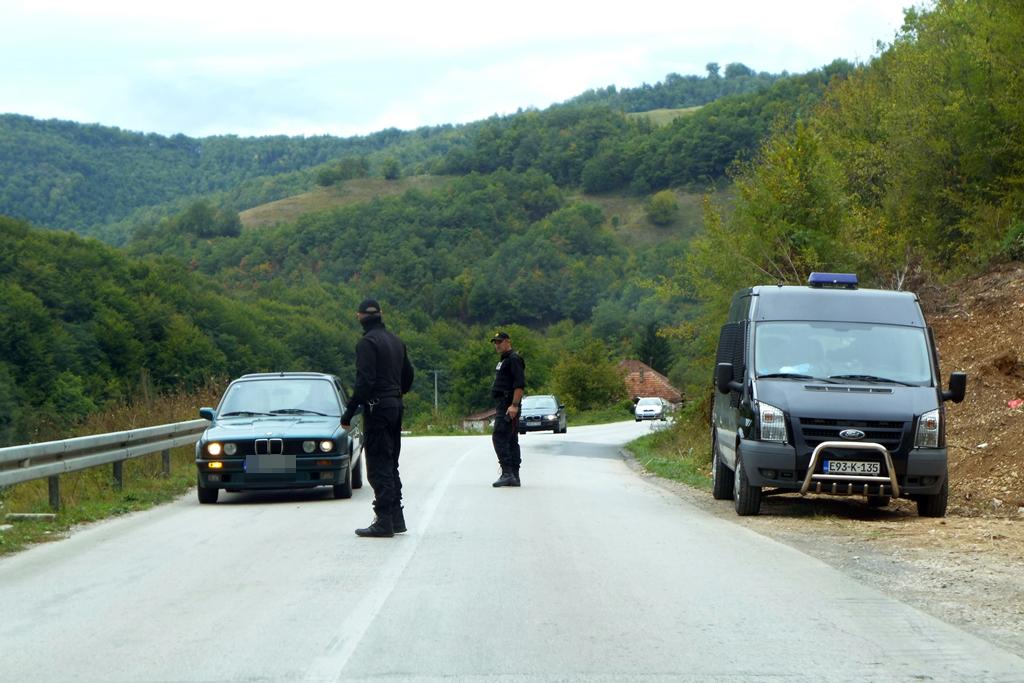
[(979, 326)]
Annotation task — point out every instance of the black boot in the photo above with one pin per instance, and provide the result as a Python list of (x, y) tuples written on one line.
[(382, 527), (506, 478), (515, 473), (398, 519)]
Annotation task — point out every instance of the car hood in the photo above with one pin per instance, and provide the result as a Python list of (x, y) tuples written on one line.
[(277, 427), (850, 401)]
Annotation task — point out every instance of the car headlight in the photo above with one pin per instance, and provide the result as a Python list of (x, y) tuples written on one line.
[(230, 448), (928, 430), (772, 423), (308, 446), (213, 448), (550, 417), (327, 446)]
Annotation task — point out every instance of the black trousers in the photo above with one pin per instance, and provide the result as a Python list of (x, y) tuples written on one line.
[(505, 438), (382, 431)]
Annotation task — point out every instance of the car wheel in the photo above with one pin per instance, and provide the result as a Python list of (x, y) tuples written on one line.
[(746, 498), (934, 505), (721, 476), (638, 419), (344, 489), (357, 473), (207, 496), (878, 501)]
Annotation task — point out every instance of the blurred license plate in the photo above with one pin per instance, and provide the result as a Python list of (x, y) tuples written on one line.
[(533, 423), (851, 467), (264, 463)]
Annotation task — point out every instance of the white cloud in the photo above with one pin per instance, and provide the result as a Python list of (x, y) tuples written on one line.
[(314, 67)]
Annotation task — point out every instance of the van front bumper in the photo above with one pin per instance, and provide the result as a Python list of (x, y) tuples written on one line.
[(776, 465)]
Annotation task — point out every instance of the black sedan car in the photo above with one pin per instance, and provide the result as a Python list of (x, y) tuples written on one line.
[(280, 430), (540, 413)]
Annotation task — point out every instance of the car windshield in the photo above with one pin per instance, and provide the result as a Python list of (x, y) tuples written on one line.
[(842, 352), (540, 403), (283, 396), (649, 402)]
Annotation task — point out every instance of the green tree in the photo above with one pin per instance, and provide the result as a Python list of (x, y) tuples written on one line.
[(662, 207), (390, 169), (588, 379), (653, 348)]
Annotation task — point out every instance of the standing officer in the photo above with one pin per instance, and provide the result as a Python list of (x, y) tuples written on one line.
[(507, 390), (383, 375)]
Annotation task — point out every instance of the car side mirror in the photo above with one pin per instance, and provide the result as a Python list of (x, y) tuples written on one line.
[(723, 379), (561, 406), (957, 387), (207, 414)]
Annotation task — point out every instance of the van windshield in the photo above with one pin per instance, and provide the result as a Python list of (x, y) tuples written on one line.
[(843, 351)]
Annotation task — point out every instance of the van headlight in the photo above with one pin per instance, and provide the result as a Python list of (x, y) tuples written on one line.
[(772, 423), (928, 430)]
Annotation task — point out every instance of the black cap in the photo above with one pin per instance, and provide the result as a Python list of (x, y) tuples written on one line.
[(499, 336), (369, 307)]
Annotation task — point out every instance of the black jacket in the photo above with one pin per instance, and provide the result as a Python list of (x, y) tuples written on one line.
[(383, 369), (509, 375)]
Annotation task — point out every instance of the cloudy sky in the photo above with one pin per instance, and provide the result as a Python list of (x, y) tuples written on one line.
[(305, 67)]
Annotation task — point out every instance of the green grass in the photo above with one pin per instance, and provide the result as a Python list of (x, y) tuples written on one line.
[(89, 495), (680, 452)]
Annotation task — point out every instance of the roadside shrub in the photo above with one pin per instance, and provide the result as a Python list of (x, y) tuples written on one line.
[(1012, 245)]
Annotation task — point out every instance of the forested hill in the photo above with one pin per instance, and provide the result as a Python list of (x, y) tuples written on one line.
[(72, 176), (66, 175)]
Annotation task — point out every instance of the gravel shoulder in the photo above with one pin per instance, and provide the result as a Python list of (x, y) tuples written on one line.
[(966, 571)]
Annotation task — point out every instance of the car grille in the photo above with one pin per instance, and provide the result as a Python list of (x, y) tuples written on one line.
[(813, 431), (271, 446)]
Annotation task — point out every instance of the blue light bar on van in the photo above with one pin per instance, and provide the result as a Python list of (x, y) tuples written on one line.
[(837, 280)]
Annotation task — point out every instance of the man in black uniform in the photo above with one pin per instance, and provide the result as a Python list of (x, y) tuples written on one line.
[(383, 375), (507, 390)]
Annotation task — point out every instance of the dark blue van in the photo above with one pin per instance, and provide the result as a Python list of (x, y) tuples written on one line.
[(832, 389)]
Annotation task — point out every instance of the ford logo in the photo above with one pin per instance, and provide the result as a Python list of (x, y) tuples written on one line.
[(852, 434)]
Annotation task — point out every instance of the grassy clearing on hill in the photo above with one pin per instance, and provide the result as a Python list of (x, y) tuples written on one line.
[(662, 117), (321, 198)]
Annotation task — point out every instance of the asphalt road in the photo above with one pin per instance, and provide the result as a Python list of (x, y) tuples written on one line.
[(586, 572)]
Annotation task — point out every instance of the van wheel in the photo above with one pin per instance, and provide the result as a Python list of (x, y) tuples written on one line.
[(934, 505), (878, 501), (721, 476), (344, 489), (747, 498)]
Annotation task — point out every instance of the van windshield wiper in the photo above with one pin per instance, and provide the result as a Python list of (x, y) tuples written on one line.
[(242, 413), (296, 411), (793, 375), (873, 378)]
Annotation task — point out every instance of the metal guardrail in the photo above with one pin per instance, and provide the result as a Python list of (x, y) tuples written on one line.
[(53, 458)]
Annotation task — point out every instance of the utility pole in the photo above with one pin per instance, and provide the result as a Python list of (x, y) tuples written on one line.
[(436, 372)]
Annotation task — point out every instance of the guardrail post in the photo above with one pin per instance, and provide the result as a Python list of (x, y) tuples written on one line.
[(166, 454), (118, 475), (53, 483)]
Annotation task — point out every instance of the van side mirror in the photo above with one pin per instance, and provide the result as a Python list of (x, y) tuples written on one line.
[(957, 387), (206, 414), (723, 379)]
